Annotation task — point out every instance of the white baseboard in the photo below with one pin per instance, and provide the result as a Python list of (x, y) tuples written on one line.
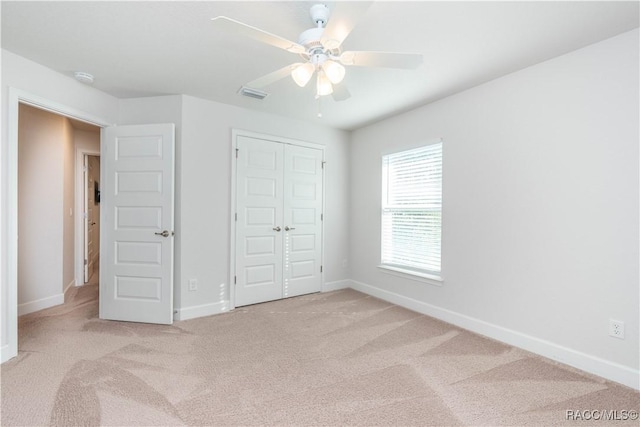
[(592, 364), (41, 304), (201, 310), (334, 286)]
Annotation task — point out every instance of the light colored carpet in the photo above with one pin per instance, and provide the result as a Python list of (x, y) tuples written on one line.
[(340, 358)]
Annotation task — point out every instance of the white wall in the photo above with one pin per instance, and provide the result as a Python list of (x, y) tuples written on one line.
[(205, 192), (203, 183), (41, 82), (540, 233)]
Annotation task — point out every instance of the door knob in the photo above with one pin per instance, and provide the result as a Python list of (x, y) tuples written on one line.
[(93, 223), (277, 228), (287, 228), (165, 233)]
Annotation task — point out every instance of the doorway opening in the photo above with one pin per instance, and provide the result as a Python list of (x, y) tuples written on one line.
[(16, 98), (58, 218), (91, 216)]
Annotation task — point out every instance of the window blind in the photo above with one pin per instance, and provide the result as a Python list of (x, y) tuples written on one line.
[(412, 209)]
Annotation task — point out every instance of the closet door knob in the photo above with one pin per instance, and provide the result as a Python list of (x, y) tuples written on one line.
[(277, 228), (287, 228)]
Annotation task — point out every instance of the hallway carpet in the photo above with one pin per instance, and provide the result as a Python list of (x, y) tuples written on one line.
[(340, 358)]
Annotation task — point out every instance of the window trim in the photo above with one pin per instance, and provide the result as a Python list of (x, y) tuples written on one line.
[(424, 276)]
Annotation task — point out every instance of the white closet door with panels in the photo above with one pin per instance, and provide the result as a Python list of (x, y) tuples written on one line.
[(302, 219), (278, 220)]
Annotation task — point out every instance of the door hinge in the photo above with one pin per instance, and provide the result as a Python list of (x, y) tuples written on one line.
[(236, 216), (320, 269), (84, 168), (321, 217), (235, 279), (86, 262), (237, 149), (323, 163)]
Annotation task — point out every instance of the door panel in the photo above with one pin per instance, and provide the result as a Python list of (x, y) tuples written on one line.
[(259, 208), (136, 281), (302, 215)]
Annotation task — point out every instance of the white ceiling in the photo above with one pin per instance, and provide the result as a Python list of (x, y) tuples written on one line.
[(156, 48)]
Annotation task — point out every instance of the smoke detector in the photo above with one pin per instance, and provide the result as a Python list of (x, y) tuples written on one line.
[(83, 77)]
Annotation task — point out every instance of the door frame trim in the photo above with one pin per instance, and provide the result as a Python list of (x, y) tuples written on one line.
[(235, 133), (15, 97)]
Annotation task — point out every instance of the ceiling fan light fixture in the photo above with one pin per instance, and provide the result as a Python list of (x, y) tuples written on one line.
[(323, 85), (334, 71), (302, 74)]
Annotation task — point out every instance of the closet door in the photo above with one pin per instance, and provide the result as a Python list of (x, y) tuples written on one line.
[(259, 207), (302, 220), (278, 248)]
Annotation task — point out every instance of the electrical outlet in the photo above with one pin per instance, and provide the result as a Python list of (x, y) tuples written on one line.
[(193, 284), (616, 328)]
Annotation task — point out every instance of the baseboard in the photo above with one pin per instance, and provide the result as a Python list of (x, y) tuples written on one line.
[(591, 364), (201, 310), (334, 286), (41, 304)]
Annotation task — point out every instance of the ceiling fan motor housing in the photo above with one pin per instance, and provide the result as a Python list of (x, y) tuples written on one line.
[(310, 38), (319, 14)]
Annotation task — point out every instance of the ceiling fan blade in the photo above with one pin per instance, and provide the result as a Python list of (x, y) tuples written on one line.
[(344, 16), (340, 92), (236, 27), (381, 59), (273, 77)]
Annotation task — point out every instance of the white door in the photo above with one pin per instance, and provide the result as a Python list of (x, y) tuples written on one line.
[(259, 201), (302, 220), (136, 274), (278, 224)]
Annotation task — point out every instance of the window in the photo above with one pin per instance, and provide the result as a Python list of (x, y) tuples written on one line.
[(412, 211)]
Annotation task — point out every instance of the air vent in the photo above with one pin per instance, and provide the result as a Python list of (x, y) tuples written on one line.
[(252, 93)]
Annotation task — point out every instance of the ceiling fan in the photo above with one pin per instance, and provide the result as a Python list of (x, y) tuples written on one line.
[(319, 48)]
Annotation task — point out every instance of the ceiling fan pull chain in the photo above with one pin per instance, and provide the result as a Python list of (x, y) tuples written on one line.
[(319, 109)]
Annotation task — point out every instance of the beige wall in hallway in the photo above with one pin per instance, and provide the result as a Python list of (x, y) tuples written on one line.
[(44, 215)]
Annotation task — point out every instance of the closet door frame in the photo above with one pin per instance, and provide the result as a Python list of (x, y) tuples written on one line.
[(235, 133)]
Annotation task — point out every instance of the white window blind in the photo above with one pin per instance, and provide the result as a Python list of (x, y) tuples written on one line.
[(412, 209)]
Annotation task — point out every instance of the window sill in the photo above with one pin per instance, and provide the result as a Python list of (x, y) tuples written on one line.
[(431, 279)]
